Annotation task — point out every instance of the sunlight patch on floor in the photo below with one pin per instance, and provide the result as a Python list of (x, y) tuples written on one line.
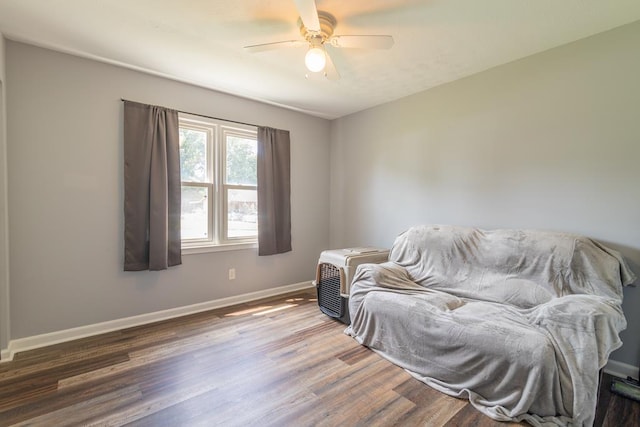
[(249, 310), (274, 309)]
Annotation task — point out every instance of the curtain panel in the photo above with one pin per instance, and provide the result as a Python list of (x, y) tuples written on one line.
[(151, 188), (274, 191)]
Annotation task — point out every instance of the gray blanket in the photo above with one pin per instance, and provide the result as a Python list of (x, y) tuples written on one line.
[(518, 322)]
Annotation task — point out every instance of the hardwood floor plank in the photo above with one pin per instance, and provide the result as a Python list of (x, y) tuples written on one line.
[(84, 412), (146, 355), (391, 407), (469, 416), (412, 389), (432, 408), (622, 412), (58, 400), (355, 355), (200, 409), (22, 389)]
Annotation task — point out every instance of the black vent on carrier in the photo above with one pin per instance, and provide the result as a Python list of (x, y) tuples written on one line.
[(329, 299)]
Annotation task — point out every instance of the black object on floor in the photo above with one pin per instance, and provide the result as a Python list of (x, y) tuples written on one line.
[(628, 388)]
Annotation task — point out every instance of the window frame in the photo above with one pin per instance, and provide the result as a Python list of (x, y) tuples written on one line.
[(217, 218)]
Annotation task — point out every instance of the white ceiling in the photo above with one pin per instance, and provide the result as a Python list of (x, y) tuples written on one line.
[(201, 41)]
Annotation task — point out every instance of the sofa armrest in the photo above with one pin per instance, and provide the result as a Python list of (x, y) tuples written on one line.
[(371, 277), (585, 322), (387, 274)]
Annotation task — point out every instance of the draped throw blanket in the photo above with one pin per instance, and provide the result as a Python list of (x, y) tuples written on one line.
[(519, 322), (274, 191), (151, 187)]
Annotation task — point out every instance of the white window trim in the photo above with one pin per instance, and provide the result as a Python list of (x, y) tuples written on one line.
[(188, 249), (217, 131)]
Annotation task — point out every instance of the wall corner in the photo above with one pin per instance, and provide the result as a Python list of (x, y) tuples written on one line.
[(5, 327)]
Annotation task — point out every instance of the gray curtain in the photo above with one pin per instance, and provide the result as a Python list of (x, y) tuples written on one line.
[(274, 191), (151, 188)]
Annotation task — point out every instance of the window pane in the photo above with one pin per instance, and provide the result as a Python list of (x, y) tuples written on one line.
[(195, 213), (242, 213), (193, 155), (242, 154)]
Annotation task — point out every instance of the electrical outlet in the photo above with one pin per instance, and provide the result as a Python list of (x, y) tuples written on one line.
[(232, 274)]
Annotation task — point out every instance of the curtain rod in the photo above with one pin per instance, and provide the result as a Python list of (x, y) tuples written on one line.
[(195, 114)]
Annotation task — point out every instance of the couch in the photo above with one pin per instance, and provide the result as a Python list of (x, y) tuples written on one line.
[(519, 322)]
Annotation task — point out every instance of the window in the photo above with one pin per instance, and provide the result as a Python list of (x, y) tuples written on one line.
[(218, 162)]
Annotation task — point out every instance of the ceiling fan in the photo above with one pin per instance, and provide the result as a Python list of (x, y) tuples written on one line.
[(317, 28)]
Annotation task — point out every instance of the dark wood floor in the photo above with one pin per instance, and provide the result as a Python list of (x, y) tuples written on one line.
[(276, 362)]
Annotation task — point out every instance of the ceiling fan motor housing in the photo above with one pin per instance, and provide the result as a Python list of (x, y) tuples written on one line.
[(327, 25)]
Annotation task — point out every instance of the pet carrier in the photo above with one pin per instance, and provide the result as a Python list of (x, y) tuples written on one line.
[(334, 275)]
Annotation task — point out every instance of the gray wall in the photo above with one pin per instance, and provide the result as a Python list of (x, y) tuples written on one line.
[(4, 230), (64, 122), (548, 142)]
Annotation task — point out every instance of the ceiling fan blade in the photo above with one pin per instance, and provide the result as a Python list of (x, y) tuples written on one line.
[(275, 45), (330, 70), (365, 42), (308, 14)]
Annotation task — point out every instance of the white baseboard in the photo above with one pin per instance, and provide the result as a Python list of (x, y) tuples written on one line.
[(621, 370), (43, 340)]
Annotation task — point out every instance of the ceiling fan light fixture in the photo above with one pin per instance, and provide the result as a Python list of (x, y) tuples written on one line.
[(315, 59), (316, 29)]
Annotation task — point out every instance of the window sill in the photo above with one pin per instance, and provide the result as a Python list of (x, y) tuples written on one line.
[(201, 249)]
